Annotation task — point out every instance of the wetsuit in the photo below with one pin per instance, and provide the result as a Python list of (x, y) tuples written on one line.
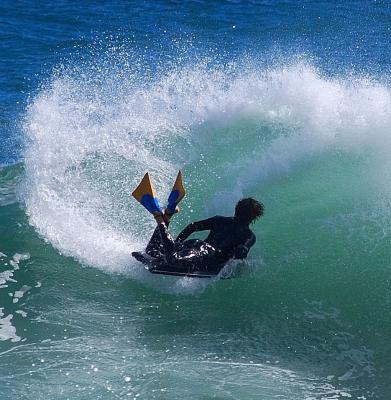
[(228, 238)]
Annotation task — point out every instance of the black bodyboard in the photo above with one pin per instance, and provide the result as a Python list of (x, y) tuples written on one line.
[(158, 266)]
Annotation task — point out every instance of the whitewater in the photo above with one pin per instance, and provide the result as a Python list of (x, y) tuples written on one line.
[(235, 131), (306, 130)]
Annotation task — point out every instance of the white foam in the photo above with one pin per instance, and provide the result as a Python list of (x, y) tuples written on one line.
[(21, 257), (20, 293), (22, 313), (92, 138), (319, 114), (7, 330), (6, 276)]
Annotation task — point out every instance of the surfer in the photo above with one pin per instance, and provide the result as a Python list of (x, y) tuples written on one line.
[(229, 237)]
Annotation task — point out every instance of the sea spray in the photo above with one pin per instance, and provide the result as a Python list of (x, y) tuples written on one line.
[(90, 141)]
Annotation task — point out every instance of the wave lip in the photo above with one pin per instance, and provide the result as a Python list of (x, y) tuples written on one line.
[(92, 134)]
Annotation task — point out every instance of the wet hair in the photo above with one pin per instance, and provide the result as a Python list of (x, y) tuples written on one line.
[(248, 210)]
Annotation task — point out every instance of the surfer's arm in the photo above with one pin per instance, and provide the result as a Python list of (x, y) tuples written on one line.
[(203, 225), (250, 241), (242, 250)]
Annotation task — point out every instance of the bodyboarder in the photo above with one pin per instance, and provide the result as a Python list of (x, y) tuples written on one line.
[(229, 237)]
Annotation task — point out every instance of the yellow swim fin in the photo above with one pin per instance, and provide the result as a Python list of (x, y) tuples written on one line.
[(178, 192), (145, 195)]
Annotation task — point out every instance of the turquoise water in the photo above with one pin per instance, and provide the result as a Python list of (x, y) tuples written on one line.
[(287, 102)]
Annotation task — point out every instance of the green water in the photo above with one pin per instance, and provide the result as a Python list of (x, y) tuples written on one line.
[(300, 324), (308, 315)]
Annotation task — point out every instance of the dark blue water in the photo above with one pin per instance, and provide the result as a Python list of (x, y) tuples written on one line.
[(38, 36), (286, 101)]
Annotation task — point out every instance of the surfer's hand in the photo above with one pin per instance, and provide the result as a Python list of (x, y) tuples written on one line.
[(241, 252)]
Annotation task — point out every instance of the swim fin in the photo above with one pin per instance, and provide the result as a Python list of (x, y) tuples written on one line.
[(145, 195), (178, 192)]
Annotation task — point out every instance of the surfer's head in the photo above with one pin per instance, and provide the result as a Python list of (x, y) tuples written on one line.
[(248, 210)]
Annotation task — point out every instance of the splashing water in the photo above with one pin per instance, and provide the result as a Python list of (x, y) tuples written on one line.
[(234, 130)]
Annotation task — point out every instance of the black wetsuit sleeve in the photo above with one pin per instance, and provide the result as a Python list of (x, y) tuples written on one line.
[(250, 241), (242, 250), (204, 225)]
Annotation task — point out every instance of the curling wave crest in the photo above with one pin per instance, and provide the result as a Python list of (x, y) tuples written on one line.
[(92, 132)]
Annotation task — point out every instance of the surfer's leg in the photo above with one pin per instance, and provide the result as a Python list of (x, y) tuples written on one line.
[(155, 246), (166, 239), (168, 214)]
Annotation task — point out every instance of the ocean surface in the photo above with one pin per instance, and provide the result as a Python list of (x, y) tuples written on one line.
[(285, 101)]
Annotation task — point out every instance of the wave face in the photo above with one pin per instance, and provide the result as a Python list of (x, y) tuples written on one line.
[(285, 101), (235, 130), (314, 149)]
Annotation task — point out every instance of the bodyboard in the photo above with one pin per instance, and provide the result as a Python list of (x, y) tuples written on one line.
[(156, 266)]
